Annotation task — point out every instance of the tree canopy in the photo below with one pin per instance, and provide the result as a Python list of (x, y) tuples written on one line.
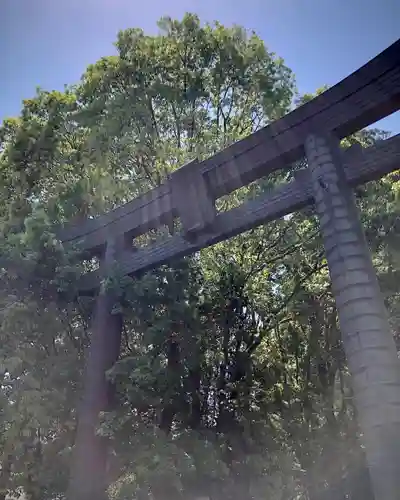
[(232, 380)]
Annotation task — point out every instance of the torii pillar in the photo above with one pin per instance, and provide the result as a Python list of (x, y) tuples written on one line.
[(366, 335), (90, 456)]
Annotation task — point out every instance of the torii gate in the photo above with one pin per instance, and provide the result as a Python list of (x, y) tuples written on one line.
[(367, 95)]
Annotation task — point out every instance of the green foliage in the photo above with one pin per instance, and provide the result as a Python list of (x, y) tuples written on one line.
[(232, 380)]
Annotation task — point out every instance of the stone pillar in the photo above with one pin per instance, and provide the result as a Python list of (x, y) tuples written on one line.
[(89, 461), (366, 335)]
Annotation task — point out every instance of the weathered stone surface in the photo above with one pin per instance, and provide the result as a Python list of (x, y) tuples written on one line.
[(367, 339)]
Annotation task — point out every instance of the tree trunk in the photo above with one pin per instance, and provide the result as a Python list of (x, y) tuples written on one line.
[(5, 475), (89, 467), (194, 380), (171, 402), (163, 488), (366, 336)]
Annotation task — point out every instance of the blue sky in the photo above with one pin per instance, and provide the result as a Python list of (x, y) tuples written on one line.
[(50, 42)]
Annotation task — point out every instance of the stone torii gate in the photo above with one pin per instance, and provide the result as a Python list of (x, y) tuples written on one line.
[(314, 130)]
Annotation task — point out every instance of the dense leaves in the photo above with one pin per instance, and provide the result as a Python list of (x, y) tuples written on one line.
[(232, 381)]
